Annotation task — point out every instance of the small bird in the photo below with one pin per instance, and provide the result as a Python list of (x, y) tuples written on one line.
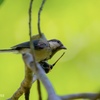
[(43, 51)]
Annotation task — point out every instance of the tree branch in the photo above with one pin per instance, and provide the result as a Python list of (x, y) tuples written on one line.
[(27, 93), (28, 59), (25, 85), (39, 13), (30, 18), (39, 90), (30, 29), (91, 96)]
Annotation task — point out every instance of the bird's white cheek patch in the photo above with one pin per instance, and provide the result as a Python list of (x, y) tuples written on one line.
[(54, 45)]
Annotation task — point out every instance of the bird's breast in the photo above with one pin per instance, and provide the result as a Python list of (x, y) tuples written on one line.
[(42, 54)]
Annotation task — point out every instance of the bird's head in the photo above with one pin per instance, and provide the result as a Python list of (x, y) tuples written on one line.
[(56, 45)]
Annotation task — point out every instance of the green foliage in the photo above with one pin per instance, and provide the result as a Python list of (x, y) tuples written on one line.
[(75, 22)]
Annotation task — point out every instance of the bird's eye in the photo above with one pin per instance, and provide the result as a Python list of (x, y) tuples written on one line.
[(58, 41)]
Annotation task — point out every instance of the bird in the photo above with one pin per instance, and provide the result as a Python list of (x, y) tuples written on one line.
[(43, 50)]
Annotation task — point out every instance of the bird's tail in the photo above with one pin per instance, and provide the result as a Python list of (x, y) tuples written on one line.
[(8, 50)]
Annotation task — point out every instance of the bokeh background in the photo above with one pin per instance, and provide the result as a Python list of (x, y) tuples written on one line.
[(75, 22)]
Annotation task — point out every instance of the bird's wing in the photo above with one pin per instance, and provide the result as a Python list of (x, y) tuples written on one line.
[(21, 45), (38, 44)]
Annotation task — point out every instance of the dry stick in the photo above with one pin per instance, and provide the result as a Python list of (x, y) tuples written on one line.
[(39, 13)]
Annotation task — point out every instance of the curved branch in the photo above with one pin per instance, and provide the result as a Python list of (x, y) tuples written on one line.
[(30, 18), (39, 13), (28, 59)]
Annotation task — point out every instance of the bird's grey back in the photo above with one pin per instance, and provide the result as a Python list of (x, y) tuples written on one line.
[(22, 45)]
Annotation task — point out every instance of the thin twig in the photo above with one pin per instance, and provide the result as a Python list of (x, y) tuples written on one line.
[(30, 30), (58, 59), (39, 13), (30, 18), (39, 89)]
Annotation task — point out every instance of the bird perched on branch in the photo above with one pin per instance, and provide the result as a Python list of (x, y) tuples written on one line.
[(44, 49)]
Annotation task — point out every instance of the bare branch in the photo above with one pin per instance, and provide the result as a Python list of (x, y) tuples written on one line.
[(30, 31), (91, 96), (39, 90), (30, 18), (58, 59), (39, 13), (27, 93), (17, 94), (28, 59), (25, 85)]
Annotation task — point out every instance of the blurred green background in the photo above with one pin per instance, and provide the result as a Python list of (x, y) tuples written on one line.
[(75, 22)]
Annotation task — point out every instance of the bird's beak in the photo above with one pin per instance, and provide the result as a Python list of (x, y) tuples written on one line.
[(63, 47)]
